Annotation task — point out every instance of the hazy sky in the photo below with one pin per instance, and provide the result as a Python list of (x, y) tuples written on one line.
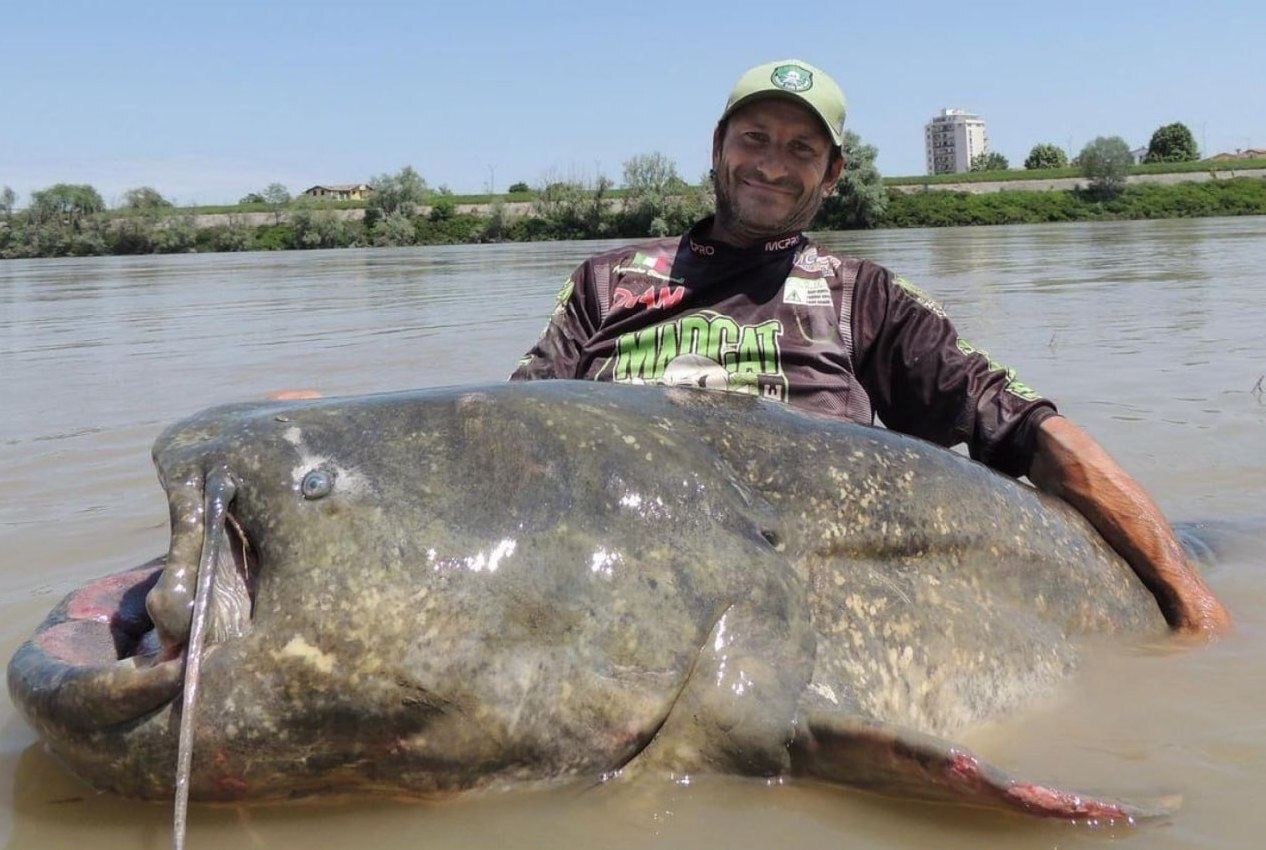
[(207, 101)]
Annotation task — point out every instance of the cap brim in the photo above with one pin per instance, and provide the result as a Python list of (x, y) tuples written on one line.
[(775, 94)]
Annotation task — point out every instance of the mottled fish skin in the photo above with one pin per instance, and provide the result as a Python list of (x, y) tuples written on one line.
[(561, 580)]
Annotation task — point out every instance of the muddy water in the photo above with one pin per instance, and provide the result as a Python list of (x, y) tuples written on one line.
[(1153, 335)]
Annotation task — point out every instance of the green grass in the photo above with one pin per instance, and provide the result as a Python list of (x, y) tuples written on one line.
[(1199, 165), (221, 209), (985, 176), (1071, 171), (484, 198), (508, 197), (1239, 196), (920, 180)]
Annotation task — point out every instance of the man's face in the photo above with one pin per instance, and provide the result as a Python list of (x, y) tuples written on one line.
[(773, 168)]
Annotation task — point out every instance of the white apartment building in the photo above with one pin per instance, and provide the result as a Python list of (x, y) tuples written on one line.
[(952, 139)]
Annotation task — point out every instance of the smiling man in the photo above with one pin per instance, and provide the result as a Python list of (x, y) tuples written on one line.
[(745, 302)]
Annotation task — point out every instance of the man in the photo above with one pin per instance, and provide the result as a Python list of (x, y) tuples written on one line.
[(745, 302)]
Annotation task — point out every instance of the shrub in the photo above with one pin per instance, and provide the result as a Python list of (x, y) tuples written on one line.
[(1046, 156), (1106, 161)]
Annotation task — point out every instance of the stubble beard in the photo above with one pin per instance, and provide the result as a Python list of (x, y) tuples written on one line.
[(749, 229)]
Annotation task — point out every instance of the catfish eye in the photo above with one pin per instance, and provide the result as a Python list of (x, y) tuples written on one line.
[(317, 484)]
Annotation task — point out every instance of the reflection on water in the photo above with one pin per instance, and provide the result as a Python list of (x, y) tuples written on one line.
[(1149, 333)]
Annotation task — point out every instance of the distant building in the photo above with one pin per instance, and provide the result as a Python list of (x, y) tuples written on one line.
[(1138, 155), (1246, 153), (344, 192), (953, 139)]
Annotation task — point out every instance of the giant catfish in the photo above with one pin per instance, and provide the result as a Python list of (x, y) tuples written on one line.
[(457, 589)]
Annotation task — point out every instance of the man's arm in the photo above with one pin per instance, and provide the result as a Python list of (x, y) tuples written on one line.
[(925, 380), (1069, 464), (560, 350)]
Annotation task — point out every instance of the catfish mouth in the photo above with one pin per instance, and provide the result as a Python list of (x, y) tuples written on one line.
[(98, 659), (116, 604)]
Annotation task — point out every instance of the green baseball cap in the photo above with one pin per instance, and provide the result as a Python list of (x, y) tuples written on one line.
[(797, 80)]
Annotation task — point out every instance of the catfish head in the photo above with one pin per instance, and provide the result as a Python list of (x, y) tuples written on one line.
[(310, 536)]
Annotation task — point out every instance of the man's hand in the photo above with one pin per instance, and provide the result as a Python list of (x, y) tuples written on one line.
[(1069, 464)]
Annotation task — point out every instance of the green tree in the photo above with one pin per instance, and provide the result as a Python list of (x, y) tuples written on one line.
[(134, 234), (404, 192), (8, 200), (1172, 143), (1106, 161), (989, 161), (395, 229), (571, 210), (860, 198), (657, 201), (144, 199), (518, 187), (316, 226), (496, 226), (278, 198), (175, 235), (65, 202), (1046, 155), (93, 237), (276, 194), (651, 173), (236, 235), (251, 198), (443, 207)]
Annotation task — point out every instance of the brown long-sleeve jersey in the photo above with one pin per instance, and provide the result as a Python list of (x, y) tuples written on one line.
[(790, 322)]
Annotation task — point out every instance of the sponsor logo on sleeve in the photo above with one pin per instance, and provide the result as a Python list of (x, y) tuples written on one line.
[(925, 301), (1014, 385), (564, 295)]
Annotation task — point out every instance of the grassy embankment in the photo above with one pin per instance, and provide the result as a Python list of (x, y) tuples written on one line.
[(917, 180), (1229, 197), (584, 216), (482, 199), (1071, 171), (1238, 196)]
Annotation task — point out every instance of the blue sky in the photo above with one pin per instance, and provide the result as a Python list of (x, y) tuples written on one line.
[(207, 101)]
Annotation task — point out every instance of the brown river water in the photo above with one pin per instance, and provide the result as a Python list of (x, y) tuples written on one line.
[(1151, 334)]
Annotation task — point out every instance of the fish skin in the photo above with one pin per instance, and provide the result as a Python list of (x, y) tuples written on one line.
[(564, 581)]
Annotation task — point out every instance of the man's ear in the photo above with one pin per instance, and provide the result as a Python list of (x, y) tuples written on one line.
[(718, 139)]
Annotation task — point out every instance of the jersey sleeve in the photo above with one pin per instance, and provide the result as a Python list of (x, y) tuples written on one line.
[(560, 350), (925, 380)]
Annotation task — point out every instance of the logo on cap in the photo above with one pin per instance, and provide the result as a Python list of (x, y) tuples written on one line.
[(792, 78)]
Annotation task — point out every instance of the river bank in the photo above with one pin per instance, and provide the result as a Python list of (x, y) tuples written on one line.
[(1067, 183), (1239, 196), (598, 217), (523, 208)]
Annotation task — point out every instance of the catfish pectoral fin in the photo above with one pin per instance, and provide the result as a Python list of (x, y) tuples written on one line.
[(901, 762)]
